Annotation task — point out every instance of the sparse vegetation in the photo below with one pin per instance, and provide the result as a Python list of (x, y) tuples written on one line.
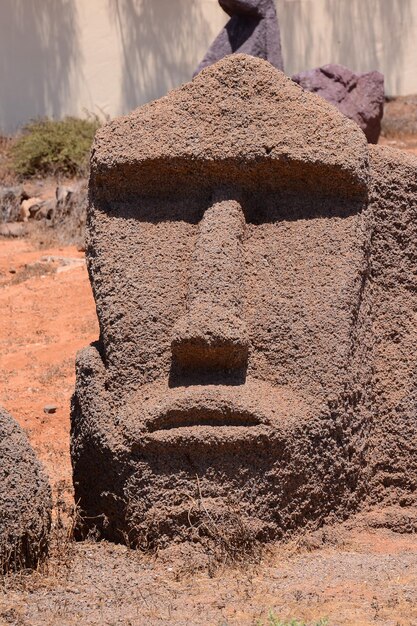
[(225, 537), (61, 546), (273, 620), (54, 147), (7, 176)]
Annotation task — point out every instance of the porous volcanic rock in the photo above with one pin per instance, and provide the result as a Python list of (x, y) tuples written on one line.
[(230, 245), (25, 499), (238, 122), (358, 96), (393, 445), (252, 29)]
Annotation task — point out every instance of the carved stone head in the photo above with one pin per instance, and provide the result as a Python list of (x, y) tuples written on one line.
[(228, 250)]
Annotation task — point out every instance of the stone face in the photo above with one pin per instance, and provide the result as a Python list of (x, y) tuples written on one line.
[(25, 499), (358, 96), (253, 29), (229, 246)]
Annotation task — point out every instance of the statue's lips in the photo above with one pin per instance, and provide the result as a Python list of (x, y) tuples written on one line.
[(215, 415), (219, 416), (208, 425)]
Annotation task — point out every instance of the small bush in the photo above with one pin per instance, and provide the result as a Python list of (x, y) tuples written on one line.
[(54, 147)]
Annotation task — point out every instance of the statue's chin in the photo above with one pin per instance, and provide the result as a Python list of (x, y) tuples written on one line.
[(195, 518)]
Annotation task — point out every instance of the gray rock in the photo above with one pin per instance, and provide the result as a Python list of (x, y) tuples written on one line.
[(49, 408), (25, 499), (69, 214), (46, 210), (358, 96), (253, 29), (29, 208), (10, 201), (63, 194)]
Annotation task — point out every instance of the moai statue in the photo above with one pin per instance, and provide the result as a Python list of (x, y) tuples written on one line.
[(25, 500), (358, 96), (252, 29), (252, 261)]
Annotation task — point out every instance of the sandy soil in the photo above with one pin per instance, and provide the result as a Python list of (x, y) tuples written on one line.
[(364, 579), (46, 314)]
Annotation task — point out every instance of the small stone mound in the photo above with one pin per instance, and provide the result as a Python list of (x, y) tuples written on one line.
[(25, 500), (358, 96)]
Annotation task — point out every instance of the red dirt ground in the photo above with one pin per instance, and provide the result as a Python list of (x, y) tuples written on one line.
[(45, 318)]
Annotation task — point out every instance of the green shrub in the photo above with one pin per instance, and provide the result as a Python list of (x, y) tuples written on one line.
[(54, 147)]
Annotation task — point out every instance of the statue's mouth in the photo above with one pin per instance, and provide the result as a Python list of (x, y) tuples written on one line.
[(217, 415), (208, 426), (192, 417)]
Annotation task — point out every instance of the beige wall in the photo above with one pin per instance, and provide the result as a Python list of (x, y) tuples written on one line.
[(61, 57), (362, 34)]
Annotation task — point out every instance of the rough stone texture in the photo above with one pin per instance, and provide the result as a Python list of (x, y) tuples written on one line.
[(229, 247), (25, 499), (358, 96), (253, 29), (204, 135), (393, 458)]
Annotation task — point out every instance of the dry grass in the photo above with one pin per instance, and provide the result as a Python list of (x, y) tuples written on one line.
[(97, 584), (273, 620), (57, 371), (232, 540), (204, 538), (7, 175), (57, 561), (32, 270)]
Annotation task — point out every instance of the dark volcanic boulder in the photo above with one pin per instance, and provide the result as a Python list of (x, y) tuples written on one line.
[(358, 96), (252, 29), (25, 499)]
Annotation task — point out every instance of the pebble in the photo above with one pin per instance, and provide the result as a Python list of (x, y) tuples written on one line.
[(49, 408)]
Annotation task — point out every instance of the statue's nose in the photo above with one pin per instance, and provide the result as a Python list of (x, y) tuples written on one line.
[(212, 334)]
